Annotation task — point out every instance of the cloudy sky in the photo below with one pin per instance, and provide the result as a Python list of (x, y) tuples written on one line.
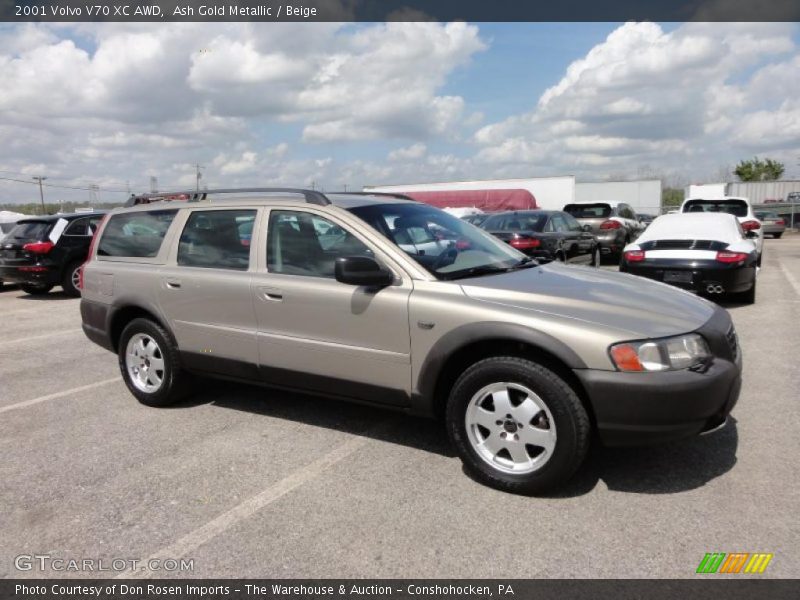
[(335, 105)]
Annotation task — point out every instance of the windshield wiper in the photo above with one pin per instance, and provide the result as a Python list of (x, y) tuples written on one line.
[(524, 263), (474, 272)]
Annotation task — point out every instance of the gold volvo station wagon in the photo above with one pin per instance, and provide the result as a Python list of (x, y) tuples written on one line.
[(383, 300)]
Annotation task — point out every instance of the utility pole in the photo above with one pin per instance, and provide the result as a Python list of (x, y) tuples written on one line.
[(40, 179), (199, 175), (93, 189)]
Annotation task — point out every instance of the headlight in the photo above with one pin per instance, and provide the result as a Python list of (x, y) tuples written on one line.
[(666, 354)]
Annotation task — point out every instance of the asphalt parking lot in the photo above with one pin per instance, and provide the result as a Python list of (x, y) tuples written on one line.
[(250, 482)]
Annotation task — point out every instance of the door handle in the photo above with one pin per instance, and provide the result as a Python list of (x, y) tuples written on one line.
[(271, 294), (173, 284)]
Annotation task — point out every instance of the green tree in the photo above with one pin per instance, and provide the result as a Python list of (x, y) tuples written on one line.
[(759, 170), (671, 197)]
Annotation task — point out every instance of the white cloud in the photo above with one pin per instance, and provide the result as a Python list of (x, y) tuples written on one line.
[(690, 99), (374, 103), (413, 152), (138, 99)]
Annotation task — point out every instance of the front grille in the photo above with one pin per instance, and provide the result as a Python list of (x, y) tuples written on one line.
[(733, 342), (683, 245)]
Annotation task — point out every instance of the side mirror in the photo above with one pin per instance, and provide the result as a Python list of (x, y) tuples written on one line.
[(587, 228), (362, 270)]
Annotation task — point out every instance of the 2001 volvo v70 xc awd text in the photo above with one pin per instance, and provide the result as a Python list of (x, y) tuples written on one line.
[(329, 294)]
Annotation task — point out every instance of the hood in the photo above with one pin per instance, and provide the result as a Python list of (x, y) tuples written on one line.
[(619, 301)]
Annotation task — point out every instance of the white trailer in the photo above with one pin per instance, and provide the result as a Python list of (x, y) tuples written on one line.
[(708, 191), (763, 192), (549, 192), (758, 192), (644, 195)]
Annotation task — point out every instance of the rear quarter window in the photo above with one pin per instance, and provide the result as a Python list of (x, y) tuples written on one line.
[(135, 235)]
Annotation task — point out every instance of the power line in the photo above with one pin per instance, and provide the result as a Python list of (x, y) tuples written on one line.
[(65, 187)]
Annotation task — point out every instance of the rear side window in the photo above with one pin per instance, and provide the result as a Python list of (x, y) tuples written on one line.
[(217, 239), (588, 211), (571, 222), (85, 226), (31, 230), (136, 235)]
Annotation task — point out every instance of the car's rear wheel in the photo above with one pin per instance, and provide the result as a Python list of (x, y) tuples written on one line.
[(71, 280), (516, 425), (35, 289), (777, 236), (150, 364)]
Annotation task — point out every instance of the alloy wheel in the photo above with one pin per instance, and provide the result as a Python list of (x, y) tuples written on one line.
[(145, 363), (511, 428)]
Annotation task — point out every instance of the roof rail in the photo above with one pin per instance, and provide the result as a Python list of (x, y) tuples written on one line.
[(387, 194), (310, 196)]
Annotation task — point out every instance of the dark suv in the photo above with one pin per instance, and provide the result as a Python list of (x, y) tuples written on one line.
[(42, 252)]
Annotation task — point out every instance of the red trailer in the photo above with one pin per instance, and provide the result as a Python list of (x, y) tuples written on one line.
[(485, 200)]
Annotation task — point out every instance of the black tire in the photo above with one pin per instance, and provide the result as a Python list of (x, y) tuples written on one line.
[(597, 258), (758, 260), (35, 289), (777, 236), (67, 281), (174, 385), (570, 421)]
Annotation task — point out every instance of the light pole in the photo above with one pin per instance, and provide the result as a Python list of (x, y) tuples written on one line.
[(40, 179)]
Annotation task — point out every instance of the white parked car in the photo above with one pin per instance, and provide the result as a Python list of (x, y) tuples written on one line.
[(734, 205), (708, 253)]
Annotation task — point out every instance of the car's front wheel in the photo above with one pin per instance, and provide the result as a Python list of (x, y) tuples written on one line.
[(150, 364), (517, 425)]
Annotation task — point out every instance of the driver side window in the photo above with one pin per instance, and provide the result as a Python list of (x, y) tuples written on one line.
[(301, 243)]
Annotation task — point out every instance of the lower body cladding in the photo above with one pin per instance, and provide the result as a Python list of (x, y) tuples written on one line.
[(702, 276), (647, 408)]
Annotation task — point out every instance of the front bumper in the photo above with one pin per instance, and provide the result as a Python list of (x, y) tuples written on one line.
[(646, 408)]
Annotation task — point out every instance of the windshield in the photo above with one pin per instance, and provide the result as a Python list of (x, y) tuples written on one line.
[(588, 211), (448, 247), (737, 208), (766, 215)]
